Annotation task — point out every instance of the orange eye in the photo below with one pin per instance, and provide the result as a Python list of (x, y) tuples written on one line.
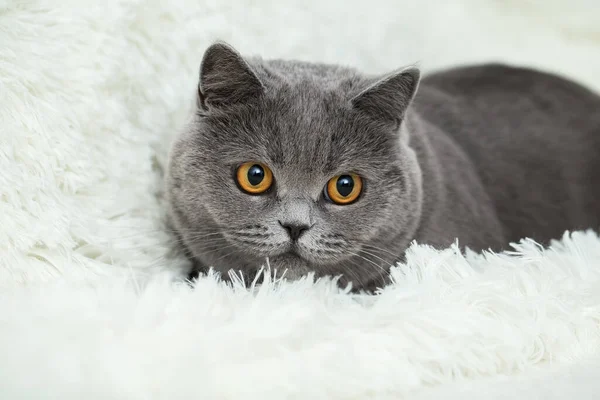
[(343, 189), (254, 178)]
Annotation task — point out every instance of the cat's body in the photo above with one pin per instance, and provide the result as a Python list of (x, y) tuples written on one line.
[(486, 155), (514, 153)]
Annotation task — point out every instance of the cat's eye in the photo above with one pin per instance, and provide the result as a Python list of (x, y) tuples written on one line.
[(343, 189), (254, 178)]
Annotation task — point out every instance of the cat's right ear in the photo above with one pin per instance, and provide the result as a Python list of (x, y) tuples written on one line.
[(387, 98), (226, 78)]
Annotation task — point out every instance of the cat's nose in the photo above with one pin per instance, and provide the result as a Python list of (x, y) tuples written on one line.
[(294, 229)]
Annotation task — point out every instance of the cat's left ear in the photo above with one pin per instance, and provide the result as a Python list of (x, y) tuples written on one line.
[(226, 78), (388, 98)]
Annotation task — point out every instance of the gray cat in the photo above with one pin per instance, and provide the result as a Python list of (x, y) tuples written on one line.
[(321, 168)]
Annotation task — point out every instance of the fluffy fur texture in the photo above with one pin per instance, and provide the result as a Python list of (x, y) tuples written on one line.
[(90, 94)]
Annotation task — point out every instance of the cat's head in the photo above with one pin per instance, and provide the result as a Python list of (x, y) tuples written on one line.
[(305, 165)]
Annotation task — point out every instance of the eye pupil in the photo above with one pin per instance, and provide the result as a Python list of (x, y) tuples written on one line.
[(254, 178), (343, 189), (345, 185), (256, 174)]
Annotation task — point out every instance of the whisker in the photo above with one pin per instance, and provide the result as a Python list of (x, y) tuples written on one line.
[(383, 273), (225, 255), (376, 256), (354, 275), (394, 255)]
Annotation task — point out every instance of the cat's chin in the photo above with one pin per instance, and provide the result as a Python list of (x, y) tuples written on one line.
[(294, 266)]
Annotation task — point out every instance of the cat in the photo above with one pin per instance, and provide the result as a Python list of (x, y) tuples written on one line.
[(309, 167)]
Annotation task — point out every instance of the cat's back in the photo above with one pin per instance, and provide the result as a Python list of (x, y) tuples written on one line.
[(533, 139), (520, 114), (508, 93)]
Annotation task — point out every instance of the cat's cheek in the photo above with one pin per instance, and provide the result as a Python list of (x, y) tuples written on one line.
[(244, 209), (347, 221), (380, 215), (331, 208)]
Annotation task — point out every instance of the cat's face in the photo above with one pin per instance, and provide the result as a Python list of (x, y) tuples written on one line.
[(284, 164)]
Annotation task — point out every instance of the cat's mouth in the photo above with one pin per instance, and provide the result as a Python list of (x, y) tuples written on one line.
[(292, 263), (292, 256)]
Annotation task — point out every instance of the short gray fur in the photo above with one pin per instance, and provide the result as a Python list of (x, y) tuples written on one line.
[(485, 154)]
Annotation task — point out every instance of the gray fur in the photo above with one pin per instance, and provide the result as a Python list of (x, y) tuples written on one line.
[(486, 154)]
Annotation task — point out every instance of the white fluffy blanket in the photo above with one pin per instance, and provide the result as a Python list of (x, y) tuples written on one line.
[(91, 93)]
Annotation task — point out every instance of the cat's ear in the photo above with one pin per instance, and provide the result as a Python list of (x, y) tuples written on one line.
[(388, 98), (226, 78)]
